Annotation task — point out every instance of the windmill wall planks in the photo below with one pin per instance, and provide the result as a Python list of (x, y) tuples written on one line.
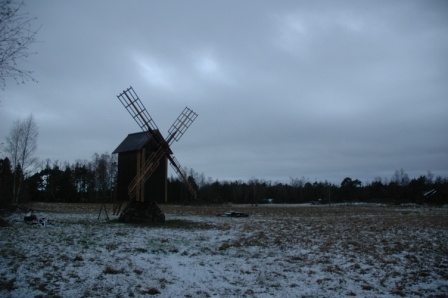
[(132, 152)]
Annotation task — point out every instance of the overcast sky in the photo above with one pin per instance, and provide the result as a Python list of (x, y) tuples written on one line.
[(316, 89)]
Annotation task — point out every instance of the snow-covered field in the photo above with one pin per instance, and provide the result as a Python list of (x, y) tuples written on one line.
[(279, 251)]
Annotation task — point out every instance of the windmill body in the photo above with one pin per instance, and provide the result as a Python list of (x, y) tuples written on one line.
[(132, 154), (143, 163)]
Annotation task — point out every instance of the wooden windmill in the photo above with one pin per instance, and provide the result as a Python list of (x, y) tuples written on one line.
[(149, 161)]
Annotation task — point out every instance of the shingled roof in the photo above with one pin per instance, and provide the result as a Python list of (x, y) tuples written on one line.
[(133, 142)]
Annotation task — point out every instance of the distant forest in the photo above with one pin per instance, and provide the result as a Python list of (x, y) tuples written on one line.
[(95, 181)]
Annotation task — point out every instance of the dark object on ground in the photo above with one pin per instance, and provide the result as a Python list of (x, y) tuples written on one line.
[(30, 217), (233, 214)]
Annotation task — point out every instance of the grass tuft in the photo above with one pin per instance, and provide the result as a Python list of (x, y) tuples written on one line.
[(111, 270), (152, 291)]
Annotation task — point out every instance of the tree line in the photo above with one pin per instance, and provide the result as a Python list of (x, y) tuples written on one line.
[(399, 189), (95, 181), (82, 181), (23, 178)]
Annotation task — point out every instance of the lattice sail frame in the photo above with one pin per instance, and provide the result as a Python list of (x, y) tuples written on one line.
[(181, 124), (135, 107), (130, 100)]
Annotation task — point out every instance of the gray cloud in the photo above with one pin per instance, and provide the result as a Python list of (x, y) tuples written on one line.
[(291, 89)]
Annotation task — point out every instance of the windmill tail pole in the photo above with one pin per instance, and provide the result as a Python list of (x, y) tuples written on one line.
[(176, 166)]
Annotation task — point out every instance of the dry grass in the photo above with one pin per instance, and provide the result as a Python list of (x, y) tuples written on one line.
[(382, 238), (64, 207)]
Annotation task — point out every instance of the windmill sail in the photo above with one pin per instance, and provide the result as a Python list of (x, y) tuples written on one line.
[(135, 107), (137, 110)]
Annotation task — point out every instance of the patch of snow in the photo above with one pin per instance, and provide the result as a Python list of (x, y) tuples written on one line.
[(334, 252)]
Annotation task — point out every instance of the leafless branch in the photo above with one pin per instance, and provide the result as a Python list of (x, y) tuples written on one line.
[(16, 35)]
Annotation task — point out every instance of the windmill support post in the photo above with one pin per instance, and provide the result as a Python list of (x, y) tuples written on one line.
[(103, 206)]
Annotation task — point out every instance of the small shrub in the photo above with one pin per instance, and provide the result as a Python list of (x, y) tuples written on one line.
[(249, 292), (296, 258), (140, 250), (152, 291), (367, 287), (110, 270), (201, 293), (224, 246)]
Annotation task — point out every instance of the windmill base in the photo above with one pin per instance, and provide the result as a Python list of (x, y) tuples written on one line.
[(142, 212)]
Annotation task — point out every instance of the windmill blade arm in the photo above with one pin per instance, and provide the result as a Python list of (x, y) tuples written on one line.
[(130, 100), (177, 130), (176, 166)]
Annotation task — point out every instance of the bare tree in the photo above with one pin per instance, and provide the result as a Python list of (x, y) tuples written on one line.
[(401, 178), (105, 166), (16, 35), (199, 178), (21, 145)]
